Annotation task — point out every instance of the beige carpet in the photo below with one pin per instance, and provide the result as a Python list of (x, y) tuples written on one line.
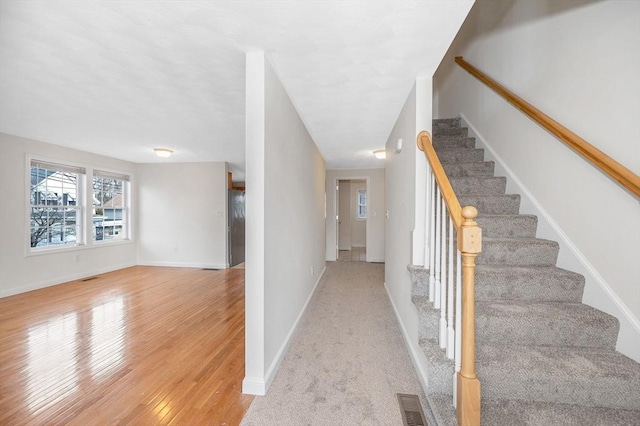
[(347, 360)]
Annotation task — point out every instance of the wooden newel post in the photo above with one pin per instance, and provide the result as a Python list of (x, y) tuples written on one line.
[(468, 385)]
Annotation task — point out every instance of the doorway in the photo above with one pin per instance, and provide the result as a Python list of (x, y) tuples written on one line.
[(351, 228)]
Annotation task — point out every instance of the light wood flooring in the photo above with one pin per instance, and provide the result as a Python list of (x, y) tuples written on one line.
[(143, 345)]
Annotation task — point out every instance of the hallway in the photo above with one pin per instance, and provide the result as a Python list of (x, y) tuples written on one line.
[(347, 359)]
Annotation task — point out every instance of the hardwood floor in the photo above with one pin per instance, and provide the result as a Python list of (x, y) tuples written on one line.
[(143, 345)]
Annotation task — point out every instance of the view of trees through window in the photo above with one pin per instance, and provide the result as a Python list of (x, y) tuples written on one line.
[(56, 205)]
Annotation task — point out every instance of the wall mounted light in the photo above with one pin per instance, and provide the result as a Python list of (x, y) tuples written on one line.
[(380, 154), (398, 146), (163, 152)]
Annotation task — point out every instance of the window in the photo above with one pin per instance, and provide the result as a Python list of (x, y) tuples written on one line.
[(362, 204), (56, 205), (110, 206)]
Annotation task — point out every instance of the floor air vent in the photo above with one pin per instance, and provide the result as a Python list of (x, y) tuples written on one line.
[(210, 269), (89, 279), (411, 410)]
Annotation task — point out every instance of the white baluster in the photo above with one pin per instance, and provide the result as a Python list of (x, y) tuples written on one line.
[(427, 223), (451, 295), (443, 278), (436, 301), (432, 238), (458, 352)]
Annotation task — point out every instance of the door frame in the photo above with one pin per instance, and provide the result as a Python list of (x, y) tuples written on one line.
[(336, 208)]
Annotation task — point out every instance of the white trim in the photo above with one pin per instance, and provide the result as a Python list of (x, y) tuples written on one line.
[(415, 353), (258, 386), (629, 335), (65, 279), (335, 210), (254, 386), (185, 264)]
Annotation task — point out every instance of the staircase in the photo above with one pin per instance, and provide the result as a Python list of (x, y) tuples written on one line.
[(543, 357)]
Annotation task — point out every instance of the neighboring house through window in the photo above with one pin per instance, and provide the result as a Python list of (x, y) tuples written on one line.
[(58, 200), (55, 205), (110, 206)]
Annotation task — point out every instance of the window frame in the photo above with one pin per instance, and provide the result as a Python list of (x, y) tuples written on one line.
[(79, 207), (125, 207), (359, 205), (84, 216)]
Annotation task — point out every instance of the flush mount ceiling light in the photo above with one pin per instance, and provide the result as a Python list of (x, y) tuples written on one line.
[(163, 152), (380, 154)]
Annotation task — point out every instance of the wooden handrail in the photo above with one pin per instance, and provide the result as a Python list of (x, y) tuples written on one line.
[(424, 143), (469, 244), (606, 164)]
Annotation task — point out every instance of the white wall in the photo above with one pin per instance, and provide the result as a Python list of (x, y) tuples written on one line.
[(20, 272), (344, 215), (183, 214), (375, 234), (404, 238), (286, 170), (578, 61), (358, 226)]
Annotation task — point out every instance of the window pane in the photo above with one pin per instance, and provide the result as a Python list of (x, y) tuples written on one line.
[(109, 218)]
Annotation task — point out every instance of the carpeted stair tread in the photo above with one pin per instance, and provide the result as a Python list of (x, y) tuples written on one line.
[(442, 123), (440, 368), (532, 283), (508, 225), (428, 317), (475, 168), (450, 131), (492, 204), (460, 155), (545, 324), (441, 411), (518, 252), (582, 376), (479, 185), (537, 413)]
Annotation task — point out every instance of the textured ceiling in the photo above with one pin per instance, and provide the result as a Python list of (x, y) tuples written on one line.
[(122, 77)]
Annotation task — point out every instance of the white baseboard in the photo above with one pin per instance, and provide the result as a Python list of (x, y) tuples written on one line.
[(185, 264), (254, 386), (260, 386), (415, 352), (602, 296), (64, 279)]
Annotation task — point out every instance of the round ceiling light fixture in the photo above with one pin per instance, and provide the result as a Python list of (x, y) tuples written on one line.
[(163, 152), (380, 154)]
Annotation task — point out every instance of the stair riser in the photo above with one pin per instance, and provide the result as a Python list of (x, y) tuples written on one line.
[(450, 131), (445, 123), (419, 281), (506, 204), (460, 155), (428, 323), (476, 169), (476, 185), (523, 226), (439, 367), (545, 332), (530, 286), (518, 253), (454, 142), (499, 384)]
